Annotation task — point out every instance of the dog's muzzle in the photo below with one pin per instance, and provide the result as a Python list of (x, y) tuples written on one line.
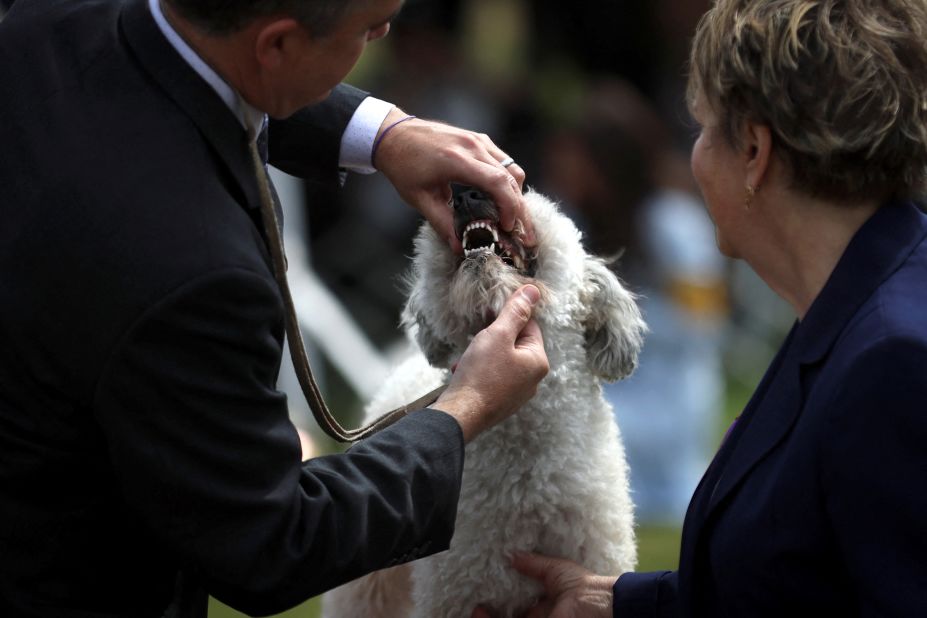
[(476, 222)]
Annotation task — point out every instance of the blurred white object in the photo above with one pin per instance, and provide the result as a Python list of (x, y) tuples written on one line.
[(325, 323)]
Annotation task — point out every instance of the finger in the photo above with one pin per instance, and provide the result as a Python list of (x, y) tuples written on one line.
[(535, 566), (510, 201), (488, 175), (517, 311), (500, 155), (518, 174), (490, 146), (513, 214), (441, 218)]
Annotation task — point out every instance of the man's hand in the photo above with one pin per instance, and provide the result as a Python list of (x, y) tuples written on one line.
[(500, 369), (570, 591), (421, 158)]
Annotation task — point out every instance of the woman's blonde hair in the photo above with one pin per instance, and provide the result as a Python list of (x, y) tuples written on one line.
[(842, 84)]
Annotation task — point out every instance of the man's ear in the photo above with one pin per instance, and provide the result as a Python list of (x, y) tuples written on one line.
[(758, 144), (276, 39)]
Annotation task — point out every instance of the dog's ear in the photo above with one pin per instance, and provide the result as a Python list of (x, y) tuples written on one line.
[(614, 326), (436, 350)]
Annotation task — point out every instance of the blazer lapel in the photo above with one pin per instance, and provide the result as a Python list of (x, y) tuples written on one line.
[(195, 97), (746, 443), (765, 424), (731, 461)]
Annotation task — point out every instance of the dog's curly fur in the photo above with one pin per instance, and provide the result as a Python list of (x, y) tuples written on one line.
[(552, 478)]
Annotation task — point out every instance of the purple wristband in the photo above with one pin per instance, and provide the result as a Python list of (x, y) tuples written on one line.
[(376, 144)]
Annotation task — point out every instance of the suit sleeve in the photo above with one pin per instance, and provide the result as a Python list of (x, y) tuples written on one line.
[(646, 595), (875, 470), (205, 453), (308, 143)]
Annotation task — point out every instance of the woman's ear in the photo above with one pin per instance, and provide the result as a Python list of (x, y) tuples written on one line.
[(758, 145)]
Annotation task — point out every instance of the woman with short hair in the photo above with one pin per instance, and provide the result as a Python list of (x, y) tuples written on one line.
[(813, 146)]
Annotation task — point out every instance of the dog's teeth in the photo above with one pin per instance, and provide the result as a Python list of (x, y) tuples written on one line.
[(495, 234), (492, 248)]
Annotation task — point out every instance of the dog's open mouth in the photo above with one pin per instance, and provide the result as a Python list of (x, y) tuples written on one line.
[(476, 222), (484, 236)]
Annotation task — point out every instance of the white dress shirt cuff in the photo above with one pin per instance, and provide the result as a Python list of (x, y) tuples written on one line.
[(360, 134)]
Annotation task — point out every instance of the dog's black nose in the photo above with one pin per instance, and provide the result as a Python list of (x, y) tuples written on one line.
[(472, 205)]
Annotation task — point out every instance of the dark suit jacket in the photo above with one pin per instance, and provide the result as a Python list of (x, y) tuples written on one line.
[(816, 503), (140, 430)]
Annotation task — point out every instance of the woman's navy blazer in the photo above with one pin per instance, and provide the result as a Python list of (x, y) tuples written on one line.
[(816, 503)]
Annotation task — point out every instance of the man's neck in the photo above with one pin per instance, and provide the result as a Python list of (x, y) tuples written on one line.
[(224, 55)]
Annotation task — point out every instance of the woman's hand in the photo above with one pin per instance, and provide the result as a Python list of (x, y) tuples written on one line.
[(421, 158), (570, 591)]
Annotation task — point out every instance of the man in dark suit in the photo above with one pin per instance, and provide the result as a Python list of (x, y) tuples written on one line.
[(145, 455)]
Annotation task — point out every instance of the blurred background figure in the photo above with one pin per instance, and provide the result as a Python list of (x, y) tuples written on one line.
[(631, 192)]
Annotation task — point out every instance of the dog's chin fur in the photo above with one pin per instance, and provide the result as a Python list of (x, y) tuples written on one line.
[(480, 288), (553, 477)]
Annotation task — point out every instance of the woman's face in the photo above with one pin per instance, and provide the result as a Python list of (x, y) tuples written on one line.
[(719, 172)]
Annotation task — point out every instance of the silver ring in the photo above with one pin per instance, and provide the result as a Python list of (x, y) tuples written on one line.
[(506, 161)]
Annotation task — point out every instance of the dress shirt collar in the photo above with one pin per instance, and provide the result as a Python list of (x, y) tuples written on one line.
[(249, 116)]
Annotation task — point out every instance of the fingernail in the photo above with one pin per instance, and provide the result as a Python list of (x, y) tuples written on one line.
[(531, 293)]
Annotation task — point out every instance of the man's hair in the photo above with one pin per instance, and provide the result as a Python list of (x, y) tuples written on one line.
[(842, 84), (226, 16)]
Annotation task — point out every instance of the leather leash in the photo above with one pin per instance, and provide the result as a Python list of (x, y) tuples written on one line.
[(320, 410)]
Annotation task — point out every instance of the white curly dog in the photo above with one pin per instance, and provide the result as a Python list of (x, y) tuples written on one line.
[(552, 478)]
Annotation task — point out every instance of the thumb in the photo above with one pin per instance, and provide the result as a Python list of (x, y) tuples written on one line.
[(433, 205), (530, 338), (517, 310)]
